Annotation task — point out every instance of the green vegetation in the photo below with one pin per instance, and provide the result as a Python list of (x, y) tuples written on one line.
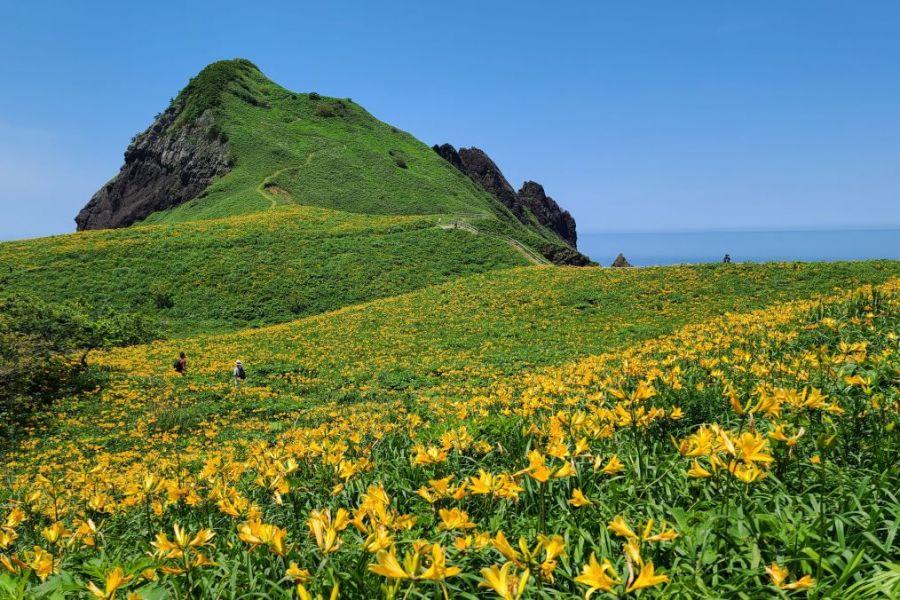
[(44, 352), (318, 151), (223, 274), (544, 392), (424, 416)]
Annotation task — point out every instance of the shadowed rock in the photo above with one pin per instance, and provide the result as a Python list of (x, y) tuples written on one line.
[(548, 212), (528, 205), (164, 166), (621, 261)]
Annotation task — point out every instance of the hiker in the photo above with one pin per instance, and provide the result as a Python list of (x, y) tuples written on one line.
[(239, 374), (727, 258), (181, 364)]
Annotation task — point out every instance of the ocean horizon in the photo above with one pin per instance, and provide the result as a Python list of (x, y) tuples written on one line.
[(643, 249)]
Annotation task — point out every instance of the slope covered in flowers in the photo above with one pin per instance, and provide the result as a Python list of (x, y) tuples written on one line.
[(750, 454)]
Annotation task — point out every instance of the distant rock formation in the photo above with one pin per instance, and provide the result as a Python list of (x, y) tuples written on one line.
[(530, 199), (548, 211), (164, 166), (621, 261)]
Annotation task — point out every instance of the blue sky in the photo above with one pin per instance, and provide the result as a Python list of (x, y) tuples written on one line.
[(636, 116)]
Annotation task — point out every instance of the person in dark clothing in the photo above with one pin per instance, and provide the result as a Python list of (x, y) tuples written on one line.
[(727, 258), (181, 364)]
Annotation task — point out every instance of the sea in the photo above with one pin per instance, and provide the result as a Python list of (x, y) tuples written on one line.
[(671, 248)]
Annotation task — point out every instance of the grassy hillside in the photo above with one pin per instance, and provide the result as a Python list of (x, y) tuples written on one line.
[(214, 275), (329, 152), (476, 374)]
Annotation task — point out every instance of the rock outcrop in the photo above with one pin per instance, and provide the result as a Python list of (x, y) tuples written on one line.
[(164, 166), (548, 212), (483, 171), (530, 199), (621, 261)]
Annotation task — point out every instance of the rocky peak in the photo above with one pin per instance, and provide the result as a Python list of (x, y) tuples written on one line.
[(164, 166), (483, 171), (181, 152), (449, 153), (621, 261), (548, 212), (532, 199)]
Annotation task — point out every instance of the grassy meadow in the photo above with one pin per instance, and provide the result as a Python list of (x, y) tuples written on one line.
[(719, 431), (243, 271)]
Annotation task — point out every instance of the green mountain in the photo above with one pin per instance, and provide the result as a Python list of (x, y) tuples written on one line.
[(245, 204), (233, 142)]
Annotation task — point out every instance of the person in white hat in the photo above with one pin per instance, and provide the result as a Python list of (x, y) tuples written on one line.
[(239, 374)]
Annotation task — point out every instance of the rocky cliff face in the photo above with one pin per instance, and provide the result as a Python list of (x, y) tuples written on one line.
[(548, 212), (164, 166), (531, 198)]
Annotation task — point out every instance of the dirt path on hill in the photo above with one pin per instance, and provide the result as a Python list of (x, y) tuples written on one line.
[(530, 255)]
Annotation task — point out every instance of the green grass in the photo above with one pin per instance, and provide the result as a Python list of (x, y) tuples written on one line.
[(325, 152), (455, 339), (236, 272), (498, 354)]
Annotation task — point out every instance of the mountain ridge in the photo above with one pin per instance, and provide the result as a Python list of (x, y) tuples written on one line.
[(232, 136)]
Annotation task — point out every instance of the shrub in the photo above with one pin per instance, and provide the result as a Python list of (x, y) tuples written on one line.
[(44, 350), (161, 294)]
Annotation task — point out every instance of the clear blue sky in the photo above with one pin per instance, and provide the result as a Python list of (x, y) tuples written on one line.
[(635, 116)]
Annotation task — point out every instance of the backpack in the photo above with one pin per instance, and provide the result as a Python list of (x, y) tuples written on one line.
[(240, 372)]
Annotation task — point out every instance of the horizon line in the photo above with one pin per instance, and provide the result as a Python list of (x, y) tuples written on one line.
[(895, 227)]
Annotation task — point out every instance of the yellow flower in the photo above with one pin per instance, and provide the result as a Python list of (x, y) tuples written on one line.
[(438, 570), (15, 518), (379, 539), (256, 533), (856, 380), (297, 574), (613, 466), (428, 456), (665, 535), (579, 499), (55, 532), (388, 565), (326, 530), (779, 575), (41, 562), (597, 576), (508, 585), (114, 580), (454, 519), (746, 473), (621, 528), (697, 471), (503, 546), (537, 470), (483, 484), (174, 549), (646, 578), (566, 470), (632, 551), (750, 448)]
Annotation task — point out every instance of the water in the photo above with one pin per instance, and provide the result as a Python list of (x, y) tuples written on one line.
[(644, 249)]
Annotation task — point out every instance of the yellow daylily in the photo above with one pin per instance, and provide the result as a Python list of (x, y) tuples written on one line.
[(778, 575), (454, 519), (507, 584), (115, 579), (621, 528), (578, 499), (597, 576), (646, 578)]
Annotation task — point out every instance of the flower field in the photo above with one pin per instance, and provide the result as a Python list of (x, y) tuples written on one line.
[(651, 449)]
